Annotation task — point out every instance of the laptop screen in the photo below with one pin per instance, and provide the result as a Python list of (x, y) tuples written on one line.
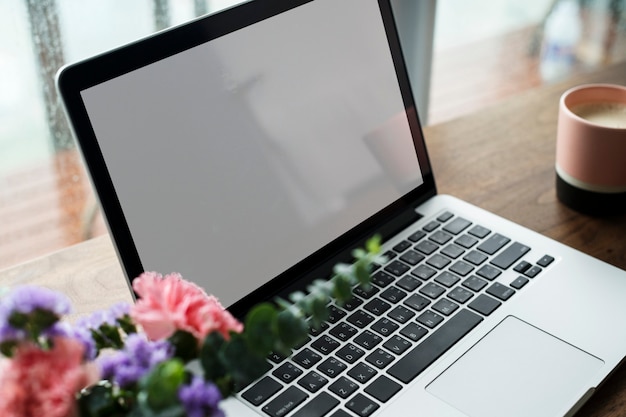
[(237, 158)]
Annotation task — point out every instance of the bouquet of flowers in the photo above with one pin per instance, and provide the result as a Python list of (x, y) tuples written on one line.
[(175, 353)]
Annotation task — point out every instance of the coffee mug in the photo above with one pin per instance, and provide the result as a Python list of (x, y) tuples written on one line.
[(591, 149)]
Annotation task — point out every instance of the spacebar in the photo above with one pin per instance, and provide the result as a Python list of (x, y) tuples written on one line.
[(434, 346)]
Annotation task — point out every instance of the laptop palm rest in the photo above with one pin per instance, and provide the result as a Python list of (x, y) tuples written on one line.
[(516, 370)]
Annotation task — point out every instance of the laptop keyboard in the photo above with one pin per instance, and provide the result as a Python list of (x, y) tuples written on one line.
[(438, 284)]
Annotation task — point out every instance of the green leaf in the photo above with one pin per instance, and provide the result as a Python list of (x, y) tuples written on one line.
[(162, 383), (185, 345), (8, 348), (18, 320), (99, 401), (373, 244), (210, 358), (343, 289), (260, 328), (127, 324), (291, 330)]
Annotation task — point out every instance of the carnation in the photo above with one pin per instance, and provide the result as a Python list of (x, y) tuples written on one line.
[(37, 382), (169, 303)]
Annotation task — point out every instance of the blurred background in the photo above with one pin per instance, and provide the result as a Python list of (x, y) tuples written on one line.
[(478, 53)]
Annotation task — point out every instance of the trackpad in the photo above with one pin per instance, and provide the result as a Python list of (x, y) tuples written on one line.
[(516, 370)]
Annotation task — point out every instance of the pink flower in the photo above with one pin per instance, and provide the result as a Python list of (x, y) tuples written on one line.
[(37, 382), (170, 303)]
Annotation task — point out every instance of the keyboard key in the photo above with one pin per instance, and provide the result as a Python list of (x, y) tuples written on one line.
[(475, 257), (519, 282), (276, 357), (466, 241), (379, 358), (362, 406), (325, 344), (532, 272), (331, 367), (360, 318), (402, 246), (287, 372), (445, 216), (415, 237), (445, 307), (343, 331), (312, 382), (431, 226), (426, 247), (383, 388), (488, 272), (377, 306), (262, 390), (438, 261), (335, 314), (521, 267), (461, 268), (452, 251), (429, 319), (484, 304), (493, 244), (417, 302), (413, 331), (440, 237), (365, 293), (412, 258), (431, 348), (457, 225), (382, 279), (545, 260), (318, 406), (500, 291), (394, 294), (367, 339), (343, 387), (317, 330), (423, 272), (474, 283), (384, 327), (460, 295), (409, 283), (401, 314), (306, 358), (479, 231), (432, 290), (397, 344), (285, 402), (350, 353), (352, 304), (510, 255), (362, 373), (397, 268), (447, 279)]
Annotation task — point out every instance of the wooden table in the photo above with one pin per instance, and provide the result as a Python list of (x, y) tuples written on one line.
[(500, 158)]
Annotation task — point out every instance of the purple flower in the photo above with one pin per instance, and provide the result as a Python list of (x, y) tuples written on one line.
[(26, 299), (63, 329), (29, 307), (110, 316), (139, 356), (200, 399)]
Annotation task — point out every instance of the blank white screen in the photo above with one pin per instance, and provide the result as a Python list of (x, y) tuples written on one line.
[(237, 158)]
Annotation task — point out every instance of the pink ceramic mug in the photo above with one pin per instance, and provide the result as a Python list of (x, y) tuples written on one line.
[(591, 149)]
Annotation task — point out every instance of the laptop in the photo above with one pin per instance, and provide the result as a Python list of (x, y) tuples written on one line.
[(252, 149)]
